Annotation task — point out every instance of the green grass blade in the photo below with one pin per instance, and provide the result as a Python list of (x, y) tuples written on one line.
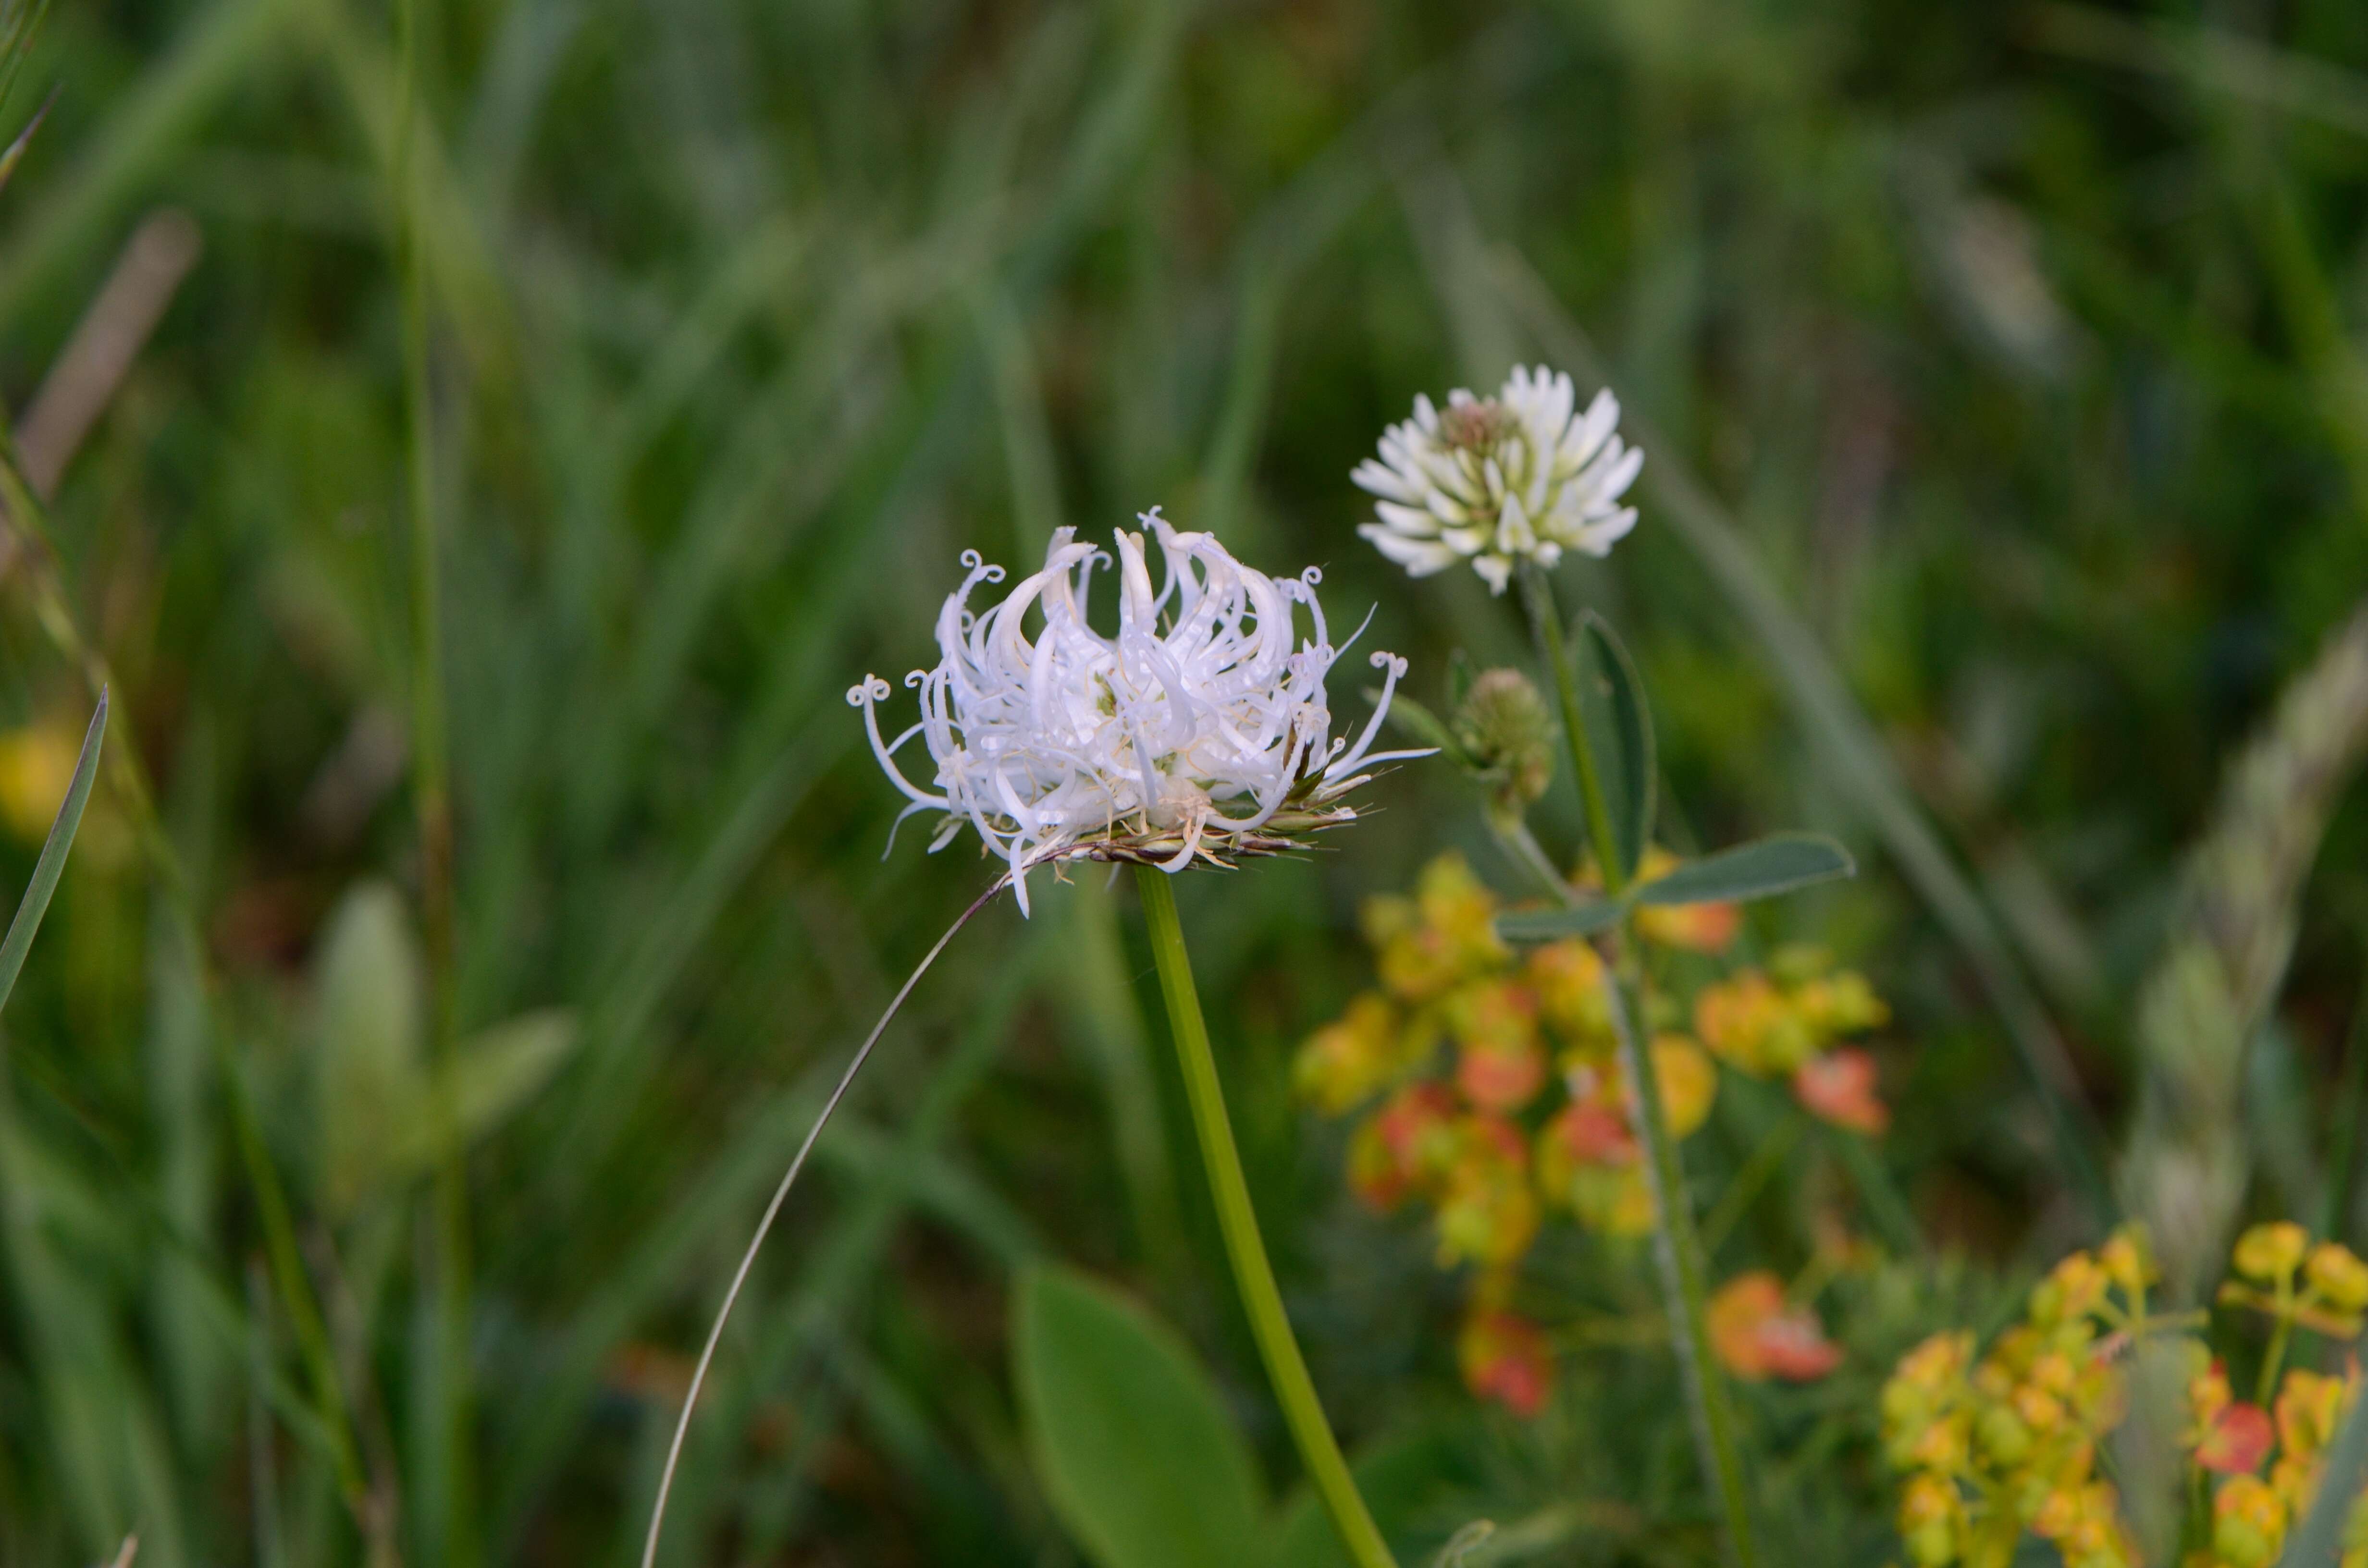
[(52, 863)]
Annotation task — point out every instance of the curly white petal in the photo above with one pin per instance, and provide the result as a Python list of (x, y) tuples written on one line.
[(1203, 717)]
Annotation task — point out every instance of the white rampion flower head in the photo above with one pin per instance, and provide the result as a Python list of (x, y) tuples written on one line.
[(1199, 729), (1490, 481)]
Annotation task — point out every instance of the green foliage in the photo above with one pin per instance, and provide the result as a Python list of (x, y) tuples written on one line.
[(1620, 727), (1134, 1448), (1998, 385), (1780, 863), (374, 1092)]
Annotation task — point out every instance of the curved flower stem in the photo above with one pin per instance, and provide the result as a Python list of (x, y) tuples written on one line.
[(1253, 1274), (1676, 1247), (773, 1209)]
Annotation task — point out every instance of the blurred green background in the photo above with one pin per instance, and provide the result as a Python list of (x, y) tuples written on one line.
[(2000, 373)]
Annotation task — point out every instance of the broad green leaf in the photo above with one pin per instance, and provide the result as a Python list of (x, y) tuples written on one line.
[(52, 863), (1578, 919), (1761, 868), (1127, 1433), (1620, 728), (498, 1071), (369, 1081)]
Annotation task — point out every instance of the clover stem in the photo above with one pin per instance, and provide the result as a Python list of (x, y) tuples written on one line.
[(1253, 1274), (1676, 1247), (1546, 619)]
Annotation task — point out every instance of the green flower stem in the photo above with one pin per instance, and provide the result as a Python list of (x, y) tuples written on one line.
[(1680, 1253), (1253, 1274), (1677, 1246)]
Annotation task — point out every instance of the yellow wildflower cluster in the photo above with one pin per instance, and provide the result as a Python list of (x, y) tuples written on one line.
[(1497, 1095), (2268, 1460), (1996, 1448), (1994, 1451), (1789, 1021)]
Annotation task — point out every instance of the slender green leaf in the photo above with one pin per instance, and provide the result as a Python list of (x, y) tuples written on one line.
[(1578, 919), (1761, 868), (1127, 1433), (52, 863), (1619, 726), (1424, 726)]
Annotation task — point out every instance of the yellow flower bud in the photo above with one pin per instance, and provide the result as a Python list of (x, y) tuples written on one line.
[(2339, 1276), (1930, 1521), (1688, 1082), (2249, 1522), (2128, 1261), (2271, 1253)]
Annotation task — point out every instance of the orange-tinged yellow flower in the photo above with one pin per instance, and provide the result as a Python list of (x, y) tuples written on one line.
[(1687, 1080), (1695, 927), (1613, 1200), (1405, 1146), (2308, 1406), (1567, 979), (1585, 1132), (2249, 1522), (1504, 1357), (2128, 1260), (1351, 1057), (1758, 1334), (1487, 1214), (2339, 1276), (2207, 1395), (2272, 1252), (1500, 1062), (1840, 1087), (1445, 934), (1931, 1520), (1839, 1004), (2235, 1439), (2075, 1287)]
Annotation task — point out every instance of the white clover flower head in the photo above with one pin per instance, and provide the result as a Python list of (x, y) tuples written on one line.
[(1199, 729), (1491, 481)]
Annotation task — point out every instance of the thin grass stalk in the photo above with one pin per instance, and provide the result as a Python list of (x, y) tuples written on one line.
[(1676, 1245), (2343, 1147), (432, 799), (773, 1209), (1253, 1272)]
